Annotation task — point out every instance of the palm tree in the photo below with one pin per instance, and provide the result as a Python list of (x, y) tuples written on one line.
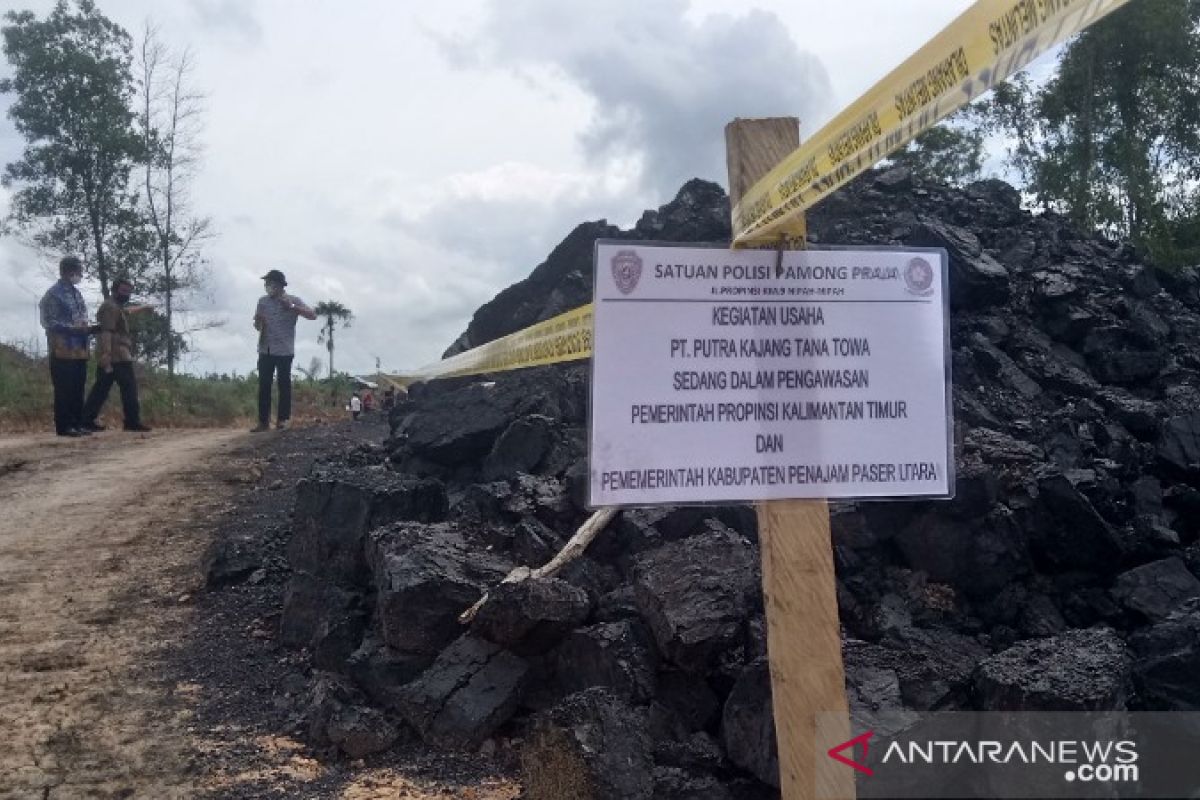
[(334, 313), (314, 367)]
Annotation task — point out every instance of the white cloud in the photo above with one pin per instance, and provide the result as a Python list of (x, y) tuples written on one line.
[(413, 160), (663, 86), (234, 20)]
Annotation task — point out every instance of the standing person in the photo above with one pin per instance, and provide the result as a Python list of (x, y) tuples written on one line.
[(65, 318), (368, 401), (355, 406), (114, 360), (275, 319)]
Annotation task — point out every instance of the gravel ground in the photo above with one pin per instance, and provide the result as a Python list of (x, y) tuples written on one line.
[(246, 691)]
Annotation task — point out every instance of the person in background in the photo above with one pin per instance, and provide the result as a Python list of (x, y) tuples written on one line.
[(389, 398), (114, 360), (368, 401), (275, 320), (65, 318), (355, 406)]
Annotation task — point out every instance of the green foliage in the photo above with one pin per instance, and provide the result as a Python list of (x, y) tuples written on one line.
[(24, 388), (334, 313), (947, 153), (1113, 138), (150, 330), (98, 178), (178, 401), (72, 87), (313, 369)]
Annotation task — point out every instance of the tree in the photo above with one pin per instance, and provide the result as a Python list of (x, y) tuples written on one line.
[(169, 119), (153, 338), (314, 367), (1113, 138), (946, 153), (73, 86), (335, 314)]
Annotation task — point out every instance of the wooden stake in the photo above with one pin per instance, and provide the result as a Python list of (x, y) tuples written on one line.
[(799, 588)]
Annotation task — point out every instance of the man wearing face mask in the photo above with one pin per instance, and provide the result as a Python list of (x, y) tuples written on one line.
[(275, 320), (114, 360), (65, 318)]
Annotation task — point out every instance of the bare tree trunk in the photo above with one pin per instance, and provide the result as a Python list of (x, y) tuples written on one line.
[(98, 243), (169, 114), (170, 316), (330, 348)]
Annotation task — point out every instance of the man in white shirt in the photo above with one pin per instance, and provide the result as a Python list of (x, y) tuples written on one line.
[(275, 320)]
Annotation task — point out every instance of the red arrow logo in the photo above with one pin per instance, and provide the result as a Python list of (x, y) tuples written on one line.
[(836, 752)]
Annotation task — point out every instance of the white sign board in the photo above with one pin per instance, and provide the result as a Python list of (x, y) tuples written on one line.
[(719, 375)]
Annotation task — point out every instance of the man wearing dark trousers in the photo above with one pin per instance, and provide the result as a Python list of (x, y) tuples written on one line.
[(275, 319), (65, 318), (114, 360)]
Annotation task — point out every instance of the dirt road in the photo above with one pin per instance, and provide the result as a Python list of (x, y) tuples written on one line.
[(120, 677), (96, 550)]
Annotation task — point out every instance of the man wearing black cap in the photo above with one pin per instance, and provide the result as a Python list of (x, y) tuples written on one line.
[(275, 320)]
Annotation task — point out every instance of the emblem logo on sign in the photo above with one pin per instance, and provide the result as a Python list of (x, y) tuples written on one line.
[(626, 270), (918, 277)]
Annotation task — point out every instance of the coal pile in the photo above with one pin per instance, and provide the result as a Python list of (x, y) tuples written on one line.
[(1063, 576)]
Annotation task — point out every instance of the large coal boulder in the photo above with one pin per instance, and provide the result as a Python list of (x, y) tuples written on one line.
[(933, 667), (323, 617), (697, 595), (748, 725), (380, 671), (336, 507), (978, 558), (1073, 534), (325, 605), (522, 447), (619, 656), (338, 716), (532, 615), (1167, 661), (472, 689), (1080, 670), (976, 279), (425, 576), (591, 746), (1157, 589), (472, 430), (1179, 446)]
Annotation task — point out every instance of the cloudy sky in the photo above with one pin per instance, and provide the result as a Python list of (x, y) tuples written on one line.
[(412, 160)]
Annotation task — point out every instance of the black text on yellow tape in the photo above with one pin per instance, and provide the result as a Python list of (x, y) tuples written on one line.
[(986, 44), (567, 337)]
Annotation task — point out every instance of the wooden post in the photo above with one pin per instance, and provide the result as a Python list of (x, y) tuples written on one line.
[(799, 589)]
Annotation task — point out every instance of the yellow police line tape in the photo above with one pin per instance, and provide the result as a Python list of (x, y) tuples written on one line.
[(567, 337), (985, 45)]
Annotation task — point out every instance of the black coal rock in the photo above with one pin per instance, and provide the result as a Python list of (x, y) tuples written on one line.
[(472, 689), (697, 595), (591, 746), (1080, 670), (533, 615)]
